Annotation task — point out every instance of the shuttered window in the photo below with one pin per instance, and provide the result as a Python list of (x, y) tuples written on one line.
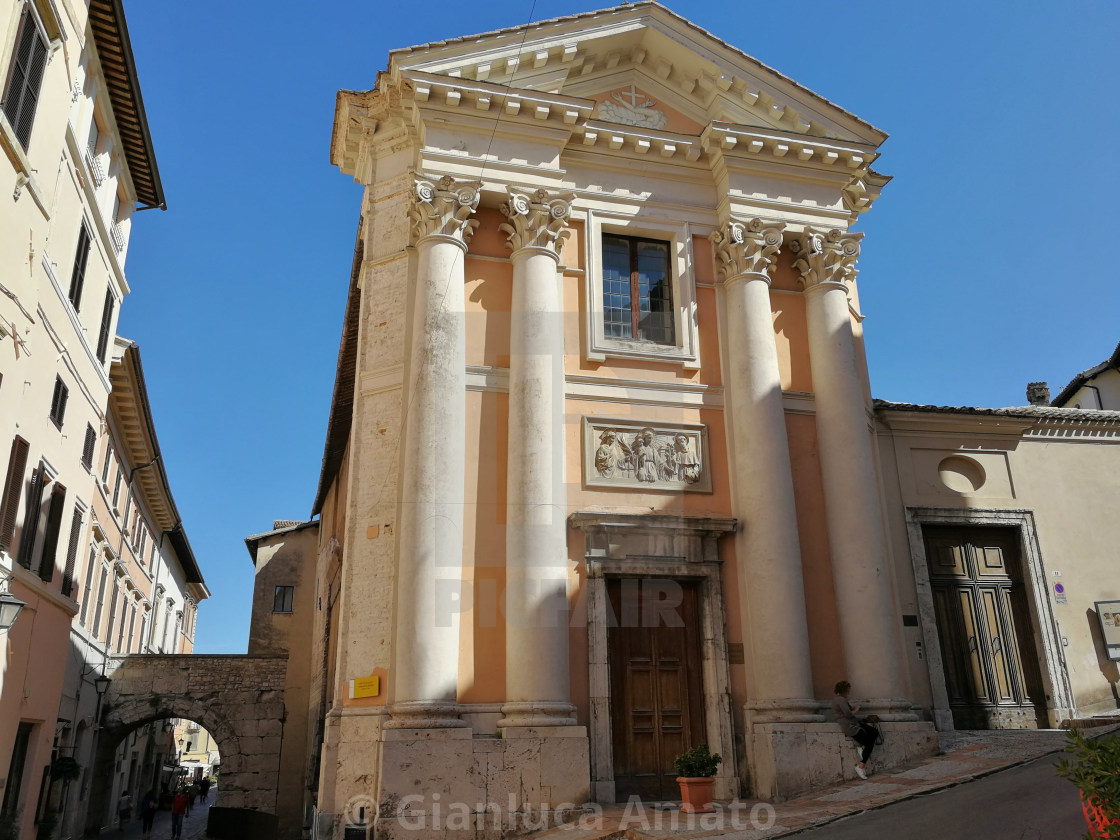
[(58, 401), (100, 602), (25, 77), (87, 447), (72, 552), (13, 489), (50, 536), (78, 276), (106, 321), (91, 567), (31, 518)]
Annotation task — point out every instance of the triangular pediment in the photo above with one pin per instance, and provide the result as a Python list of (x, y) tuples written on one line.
[(692, 76)]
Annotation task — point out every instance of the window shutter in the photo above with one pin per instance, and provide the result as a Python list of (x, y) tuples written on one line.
[(31, 518), (87, 447), (50, 539), (13, 489), (106, 320), (58, 401), (78, 277), (25, 78), (72, 552)]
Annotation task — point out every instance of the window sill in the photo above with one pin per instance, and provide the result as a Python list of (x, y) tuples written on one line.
[(25, 175), (606, 348)]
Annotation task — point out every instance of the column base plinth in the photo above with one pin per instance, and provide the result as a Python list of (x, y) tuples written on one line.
[(424, 714), (537, 713), (786, 710)]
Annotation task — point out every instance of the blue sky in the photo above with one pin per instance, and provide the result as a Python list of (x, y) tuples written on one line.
[(989, 261)]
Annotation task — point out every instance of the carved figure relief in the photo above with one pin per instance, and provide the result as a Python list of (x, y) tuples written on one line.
[(629, 107), (627, 454)]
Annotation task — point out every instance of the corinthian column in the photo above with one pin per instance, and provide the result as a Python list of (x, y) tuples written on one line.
[(769, 551), (856, 540), (430, 525), (537, 689)]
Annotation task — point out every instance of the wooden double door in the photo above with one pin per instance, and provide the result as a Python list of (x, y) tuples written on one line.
[(657, 709), (991, 665)]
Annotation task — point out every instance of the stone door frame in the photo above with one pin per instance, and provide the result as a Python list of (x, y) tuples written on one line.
[(1044, 626), (665, 547)]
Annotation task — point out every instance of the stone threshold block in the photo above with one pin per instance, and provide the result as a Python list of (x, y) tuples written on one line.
[(449, 783), (790, 759)]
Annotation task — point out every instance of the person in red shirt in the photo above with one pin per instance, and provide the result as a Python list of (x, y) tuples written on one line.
[(179, 807)]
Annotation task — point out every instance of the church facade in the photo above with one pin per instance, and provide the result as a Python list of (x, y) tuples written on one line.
[(603, 477)]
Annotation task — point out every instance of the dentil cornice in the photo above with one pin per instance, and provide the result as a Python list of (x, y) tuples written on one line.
[(537, 219), (747, 248), (825, 258), (443, 208)]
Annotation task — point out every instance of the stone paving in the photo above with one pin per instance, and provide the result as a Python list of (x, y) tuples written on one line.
[(194, 826), (964, 756)]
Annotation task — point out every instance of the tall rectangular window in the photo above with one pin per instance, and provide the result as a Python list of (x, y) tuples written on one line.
[(13, 489), (78, 275), (637, 294), (91, 567), (58, 401), (100, 602), (50, 534), (25, 76), (112, 615), (282, 599), (16, 767), (106, 465), (31, 517), (87, 447), (72, 551), (106, 323)]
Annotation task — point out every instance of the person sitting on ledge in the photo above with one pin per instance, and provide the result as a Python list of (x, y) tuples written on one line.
[(862, 732)]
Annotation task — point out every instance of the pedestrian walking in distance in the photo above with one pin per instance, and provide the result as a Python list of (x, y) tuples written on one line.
[(861, 731), (149, 804), (179, 806), (124, 809)]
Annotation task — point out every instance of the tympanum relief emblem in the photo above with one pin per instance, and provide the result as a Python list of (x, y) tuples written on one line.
[(631, 107), (625, 453)]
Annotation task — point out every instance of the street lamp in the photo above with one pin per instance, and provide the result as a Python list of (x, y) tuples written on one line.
[(101, 684), (10, 607)]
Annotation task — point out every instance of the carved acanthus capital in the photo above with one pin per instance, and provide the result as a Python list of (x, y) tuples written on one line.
[(825, 258), (537, 220), (747, 248), (443, 208)]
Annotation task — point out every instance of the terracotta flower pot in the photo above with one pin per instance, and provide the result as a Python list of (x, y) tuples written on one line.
[(1094, 817), (696, 794)]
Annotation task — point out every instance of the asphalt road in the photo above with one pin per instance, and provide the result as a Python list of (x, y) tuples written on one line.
[(1028, 802)]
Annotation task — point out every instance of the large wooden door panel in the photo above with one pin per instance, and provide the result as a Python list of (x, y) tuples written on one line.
[(656, 697), (991, 670)]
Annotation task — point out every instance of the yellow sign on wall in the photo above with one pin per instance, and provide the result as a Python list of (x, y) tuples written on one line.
[(365, 687)]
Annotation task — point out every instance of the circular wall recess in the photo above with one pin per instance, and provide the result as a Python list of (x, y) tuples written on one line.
[(961, 474)]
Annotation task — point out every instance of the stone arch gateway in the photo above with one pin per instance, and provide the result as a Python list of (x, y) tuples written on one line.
[(238, 699)]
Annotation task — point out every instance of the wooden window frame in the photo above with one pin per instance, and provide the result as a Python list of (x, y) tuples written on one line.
[(635, 296), (21, 115)]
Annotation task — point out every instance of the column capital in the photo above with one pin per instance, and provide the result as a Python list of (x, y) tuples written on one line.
[(537, 220), (747, 248), (443, 209), (825, 258)]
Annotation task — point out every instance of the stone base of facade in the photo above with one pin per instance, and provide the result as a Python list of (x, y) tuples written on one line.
[(450, 784), (790, 759)]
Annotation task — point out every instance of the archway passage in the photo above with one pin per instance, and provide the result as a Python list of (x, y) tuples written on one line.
[(238, 699)]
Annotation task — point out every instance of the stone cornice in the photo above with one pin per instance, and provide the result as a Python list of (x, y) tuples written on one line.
[(639, 141), (443, 208), (500, 101), (746, 248), (537, 219), (825, 258), (743, 140)]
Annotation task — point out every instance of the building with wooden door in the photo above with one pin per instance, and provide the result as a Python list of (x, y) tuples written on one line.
[(603, 476)]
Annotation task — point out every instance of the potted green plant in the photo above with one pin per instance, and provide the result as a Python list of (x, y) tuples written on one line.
[(696, 770), (1095, 772)]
